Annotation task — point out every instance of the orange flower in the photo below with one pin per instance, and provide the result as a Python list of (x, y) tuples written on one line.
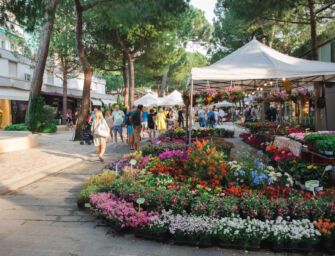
[(198, 145)]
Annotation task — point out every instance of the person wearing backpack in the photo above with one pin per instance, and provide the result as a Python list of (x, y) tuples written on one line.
[(211, 118), (101, 132)]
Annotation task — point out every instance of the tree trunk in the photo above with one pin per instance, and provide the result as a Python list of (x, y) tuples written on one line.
[(64, 70), (42, 53), (158, 89), (311, 6), (273, 30), (125, 80), (85, 104), (164, 79), (131, 80)]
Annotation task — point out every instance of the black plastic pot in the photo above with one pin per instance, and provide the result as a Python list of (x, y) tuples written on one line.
[(229, 244), (185, 241), (162, 237), (328, 243), (81, 204), (254, 245), (205, 243)]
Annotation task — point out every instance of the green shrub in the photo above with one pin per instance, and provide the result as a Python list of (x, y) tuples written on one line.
[(41, 117), (16, 127), (84, 194)]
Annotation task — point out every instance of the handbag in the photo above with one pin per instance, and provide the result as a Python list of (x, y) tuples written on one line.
[(102, 130)]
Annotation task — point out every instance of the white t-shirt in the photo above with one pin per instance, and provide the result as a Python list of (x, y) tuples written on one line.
[(117, 117)]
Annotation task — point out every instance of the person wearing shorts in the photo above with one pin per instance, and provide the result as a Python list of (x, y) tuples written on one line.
[(117, 117), (130, 131), (151, 124), (136, 121), (144, 122)]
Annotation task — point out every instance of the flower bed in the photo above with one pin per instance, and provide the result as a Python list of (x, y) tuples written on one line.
[(196, 195)]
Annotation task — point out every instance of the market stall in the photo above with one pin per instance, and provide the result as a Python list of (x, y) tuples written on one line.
[(257, 67)]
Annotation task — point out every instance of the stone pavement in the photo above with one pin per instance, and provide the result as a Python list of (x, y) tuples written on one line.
[(54, 153), (42, 219)]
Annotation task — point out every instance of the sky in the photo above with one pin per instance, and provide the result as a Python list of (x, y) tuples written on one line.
[(207, 6)]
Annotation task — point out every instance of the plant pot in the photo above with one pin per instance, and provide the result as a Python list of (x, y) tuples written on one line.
[(81, 204), (328, 243), (205, 243), (305, 247), (161, 237), (329, 153), (312, 148), (254, 245), (229, 244), (185, 241)]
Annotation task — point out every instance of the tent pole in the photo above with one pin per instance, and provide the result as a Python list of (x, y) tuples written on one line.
[(191, 114)]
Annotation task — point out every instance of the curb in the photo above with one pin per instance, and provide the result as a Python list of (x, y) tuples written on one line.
[(36, 175)]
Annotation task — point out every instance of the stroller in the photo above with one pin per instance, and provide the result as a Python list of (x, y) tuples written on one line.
[(87, 137)]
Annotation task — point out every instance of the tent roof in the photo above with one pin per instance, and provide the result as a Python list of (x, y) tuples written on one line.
[(149, 100), (255, 63), (174, 98)]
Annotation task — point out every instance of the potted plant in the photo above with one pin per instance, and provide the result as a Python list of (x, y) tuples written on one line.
[(326, 146), (327, 230)]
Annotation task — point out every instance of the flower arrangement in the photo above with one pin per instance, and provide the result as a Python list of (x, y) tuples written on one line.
[(277, 96), (208, 95), (187, 97), (233, 93), (304, 93)]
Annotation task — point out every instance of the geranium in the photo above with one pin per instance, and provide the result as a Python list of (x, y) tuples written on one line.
[(325, 227), (174, 154)]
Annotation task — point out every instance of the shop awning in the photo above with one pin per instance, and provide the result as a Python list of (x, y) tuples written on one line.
[(107, 102), (13, 94), (96, 102)]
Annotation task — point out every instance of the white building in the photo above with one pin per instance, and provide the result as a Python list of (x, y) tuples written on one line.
[(16, 72)]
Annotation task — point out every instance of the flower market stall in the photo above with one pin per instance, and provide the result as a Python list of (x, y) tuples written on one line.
[(256, 66), (197, 195)]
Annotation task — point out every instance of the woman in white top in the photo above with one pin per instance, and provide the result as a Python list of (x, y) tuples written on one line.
[(101, 132)]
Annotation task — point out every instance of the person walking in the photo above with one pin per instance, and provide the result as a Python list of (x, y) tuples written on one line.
[(136, 120), (101, 132), (181, 118), (171, 119), (216, 115), (161, 121), (130, 132), (151, 124), (108, 119), (211, 118), (202, 118), (144, 121), (117, 117)]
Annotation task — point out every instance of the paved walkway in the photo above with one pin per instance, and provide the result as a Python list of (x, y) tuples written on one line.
[(54, 153), (42, 220)]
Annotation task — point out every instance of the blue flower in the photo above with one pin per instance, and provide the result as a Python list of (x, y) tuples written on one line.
[(260, 152), (242, 172), (236, 174)]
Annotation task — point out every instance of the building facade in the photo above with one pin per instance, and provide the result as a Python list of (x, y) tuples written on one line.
[(15, 82)]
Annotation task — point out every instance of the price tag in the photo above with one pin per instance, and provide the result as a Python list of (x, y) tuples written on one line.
[(312, 183)]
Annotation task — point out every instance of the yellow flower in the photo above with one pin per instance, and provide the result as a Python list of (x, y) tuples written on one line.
[(315, 167), (309, 167)]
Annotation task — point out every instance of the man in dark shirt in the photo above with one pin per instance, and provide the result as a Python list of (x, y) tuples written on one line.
[(136, 121), (181, 118)]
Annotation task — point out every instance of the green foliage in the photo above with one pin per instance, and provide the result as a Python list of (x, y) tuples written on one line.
[(41, 117), (16, 127), (103, 179), (34, 122)]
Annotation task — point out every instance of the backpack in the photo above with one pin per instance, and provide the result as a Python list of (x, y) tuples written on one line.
[(211, 118), (128, 118)]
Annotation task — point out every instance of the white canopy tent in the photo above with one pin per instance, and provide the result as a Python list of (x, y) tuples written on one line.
[(174, 98), (255, 64), (148, 100)]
